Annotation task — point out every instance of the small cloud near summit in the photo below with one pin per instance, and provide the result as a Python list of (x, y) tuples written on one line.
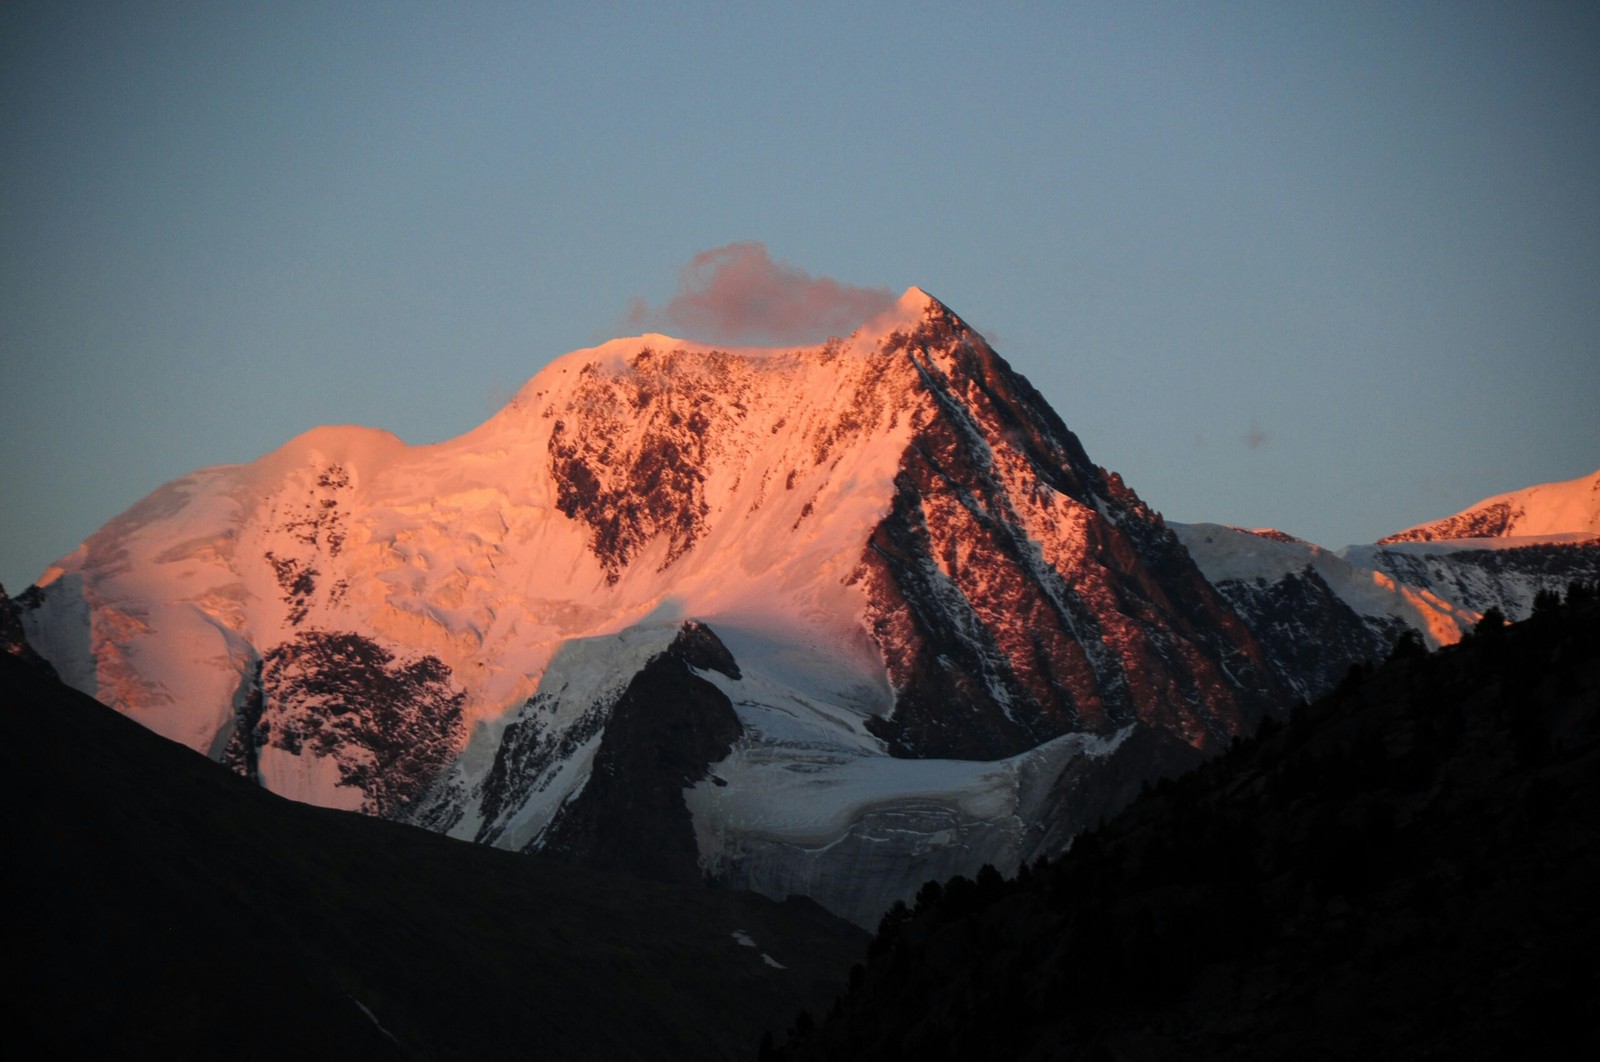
[(738, 294)]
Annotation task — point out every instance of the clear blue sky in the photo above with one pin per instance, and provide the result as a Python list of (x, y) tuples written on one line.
[(1332, 268)]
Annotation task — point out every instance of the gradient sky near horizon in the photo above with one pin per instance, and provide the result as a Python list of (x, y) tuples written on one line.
[(1333, 268)]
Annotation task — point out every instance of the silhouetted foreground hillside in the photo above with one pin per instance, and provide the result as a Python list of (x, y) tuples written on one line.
[(161, 907), (1409, 869)]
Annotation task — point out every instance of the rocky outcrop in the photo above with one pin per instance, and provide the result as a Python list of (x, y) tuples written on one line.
[(1019, 593), (389, 725), (13, 640), (1310, 634), (661, 736), (1507, 578)]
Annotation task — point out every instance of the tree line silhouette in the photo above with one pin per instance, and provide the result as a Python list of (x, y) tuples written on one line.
[(1406, 866)]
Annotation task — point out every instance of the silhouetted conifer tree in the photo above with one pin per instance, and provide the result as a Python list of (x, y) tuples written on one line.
[(1492, 622)]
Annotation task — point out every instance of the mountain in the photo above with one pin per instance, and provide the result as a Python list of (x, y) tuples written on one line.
[(1548, 510), (1479, 574), (1316, 611), (827, 621), (161, 906), (1406, 870), (1502, 552)]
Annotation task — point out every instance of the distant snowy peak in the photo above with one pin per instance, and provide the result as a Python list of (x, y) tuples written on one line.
[(1315, 610), (618, 355), (1548, 511), (1271, 533)]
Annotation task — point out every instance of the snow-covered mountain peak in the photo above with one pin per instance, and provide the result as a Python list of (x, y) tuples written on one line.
[(621, 354), (913, 304), (1551, 511), (1271, 533), (901, 546), (646, 477), (351, 446)]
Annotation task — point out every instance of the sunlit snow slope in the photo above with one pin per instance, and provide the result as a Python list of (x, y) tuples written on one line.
[(890, 548), (1549, 511)]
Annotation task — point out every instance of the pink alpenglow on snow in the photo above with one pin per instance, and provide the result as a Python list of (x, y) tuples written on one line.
[(738, 294), (1567, 510)]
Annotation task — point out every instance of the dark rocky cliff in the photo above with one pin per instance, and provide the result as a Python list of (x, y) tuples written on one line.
[(663, 734)]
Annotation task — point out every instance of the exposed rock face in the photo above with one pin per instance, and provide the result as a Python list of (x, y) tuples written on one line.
[(1506, 578), (389, 726), (1489, 521), (662, 737), (1316, 612), (13, 641), (1019, 593), (1310, 634), (651, 487)]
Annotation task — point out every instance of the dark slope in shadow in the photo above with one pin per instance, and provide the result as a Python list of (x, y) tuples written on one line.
[(161, 906), (1408, 869)]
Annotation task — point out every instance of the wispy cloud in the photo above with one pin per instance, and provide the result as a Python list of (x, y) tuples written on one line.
[(738, 294)]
